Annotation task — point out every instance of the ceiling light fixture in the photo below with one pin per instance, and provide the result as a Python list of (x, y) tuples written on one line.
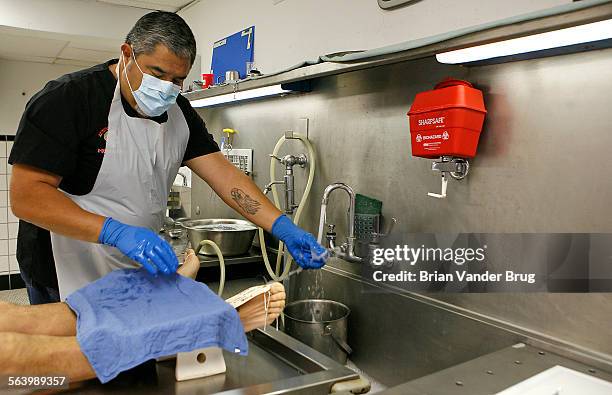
[(252, 94), (572, 39)]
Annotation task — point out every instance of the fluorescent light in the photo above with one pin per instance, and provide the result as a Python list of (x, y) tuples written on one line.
[(266, 91), (537, 42)]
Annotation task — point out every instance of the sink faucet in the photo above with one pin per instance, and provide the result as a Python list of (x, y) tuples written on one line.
[(347, 250)]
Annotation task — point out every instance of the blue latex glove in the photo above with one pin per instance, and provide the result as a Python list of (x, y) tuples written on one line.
[(302, 246), (141, 245)]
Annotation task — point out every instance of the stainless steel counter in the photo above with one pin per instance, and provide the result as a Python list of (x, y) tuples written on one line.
[(276, 363), (492, 373)]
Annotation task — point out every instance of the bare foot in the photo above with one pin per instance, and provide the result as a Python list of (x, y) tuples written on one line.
[(190, 265), (253, 313)]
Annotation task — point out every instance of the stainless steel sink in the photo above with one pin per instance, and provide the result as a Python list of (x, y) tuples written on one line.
[(276, 364)]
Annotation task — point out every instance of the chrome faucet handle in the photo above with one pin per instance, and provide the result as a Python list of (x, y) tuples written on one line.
[(331, 236), (331, 232), (302, 160)]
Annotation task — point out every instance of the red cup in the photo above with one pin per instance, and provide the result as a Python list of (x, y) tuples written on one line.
[(207, 80)]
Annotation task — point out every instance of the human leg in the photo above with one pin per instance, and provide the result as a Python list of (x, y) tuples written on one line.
[(40, 355), (52, 319), (47, 342)]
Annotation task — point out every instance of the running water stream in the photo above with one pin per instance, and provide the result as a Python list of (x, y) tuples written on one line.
[(322, 219)]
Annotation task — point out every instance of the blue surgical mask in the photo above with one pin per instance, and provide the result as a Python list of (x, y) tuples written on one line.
[(154, 96)]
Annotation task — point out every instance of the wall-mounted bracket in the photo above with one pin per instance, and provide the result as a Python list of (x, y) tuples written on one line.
[(457, 168)]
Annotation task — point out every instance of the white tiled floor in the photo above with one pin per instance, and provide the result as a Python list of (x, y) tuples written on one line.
[(8, 222), (17, 296)]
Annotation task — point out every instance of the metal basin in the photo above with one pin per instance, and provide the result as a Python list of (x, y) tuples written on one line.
[(277, 364), (233, 236), (321, 324)]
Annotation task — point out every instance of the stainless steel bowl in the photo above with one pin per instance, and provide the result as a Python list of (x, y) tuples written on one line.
[(233, 236)]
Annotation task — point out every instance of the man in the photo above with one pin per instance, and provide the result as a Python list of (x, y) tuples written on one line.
[(29, 348), (94, 158)]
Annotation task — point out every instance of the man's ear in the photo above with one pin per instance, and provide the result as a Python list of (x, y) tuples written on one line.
[(126, 50)]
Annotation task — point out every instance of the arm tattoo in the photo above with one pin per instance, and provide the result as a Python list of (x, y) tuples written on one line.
[(244, 201)]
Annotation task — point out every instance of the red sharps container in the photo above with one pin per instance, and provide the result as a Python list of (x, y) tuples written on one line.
[(447, 120)]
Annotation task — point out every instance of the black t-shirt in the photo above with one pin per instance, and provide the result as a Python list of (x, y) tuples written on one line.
[(63, 131)]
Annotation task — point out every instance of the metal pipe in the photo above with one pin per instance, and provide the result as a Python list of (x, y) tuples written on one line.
[(289, 189)]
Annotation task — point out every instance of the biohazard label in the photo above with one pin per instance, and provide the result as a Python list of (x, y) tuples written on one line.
[(443, 136)]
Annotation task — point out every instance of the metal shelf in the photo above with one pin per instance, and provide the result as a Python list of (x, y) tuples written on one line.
[(594, 13)]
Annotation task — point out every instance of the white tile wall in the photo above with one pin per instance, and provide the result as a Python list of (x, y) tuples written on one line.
[(8, 222), (11, 217), (4, 265), (13, 265), (13, 227), (4, 247), (12, 247)]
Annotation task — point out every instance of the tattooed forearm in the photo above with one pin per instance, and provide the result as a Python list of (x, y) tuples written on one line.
[(244, 201)]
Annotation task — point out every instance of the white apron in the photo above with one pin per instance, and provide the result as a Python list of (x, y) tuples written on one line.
[(140, 163)]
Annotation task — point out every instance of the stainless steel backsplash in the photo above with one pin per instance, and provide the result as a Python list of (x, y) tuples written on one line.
[(542, 166)]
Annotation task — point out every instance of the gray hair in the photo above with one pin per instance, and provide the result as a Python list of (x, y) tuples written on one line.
[(164, 28)]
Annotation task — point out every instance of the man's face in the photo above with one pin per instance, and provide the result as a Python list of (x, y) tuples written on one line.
[(161, 63)]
